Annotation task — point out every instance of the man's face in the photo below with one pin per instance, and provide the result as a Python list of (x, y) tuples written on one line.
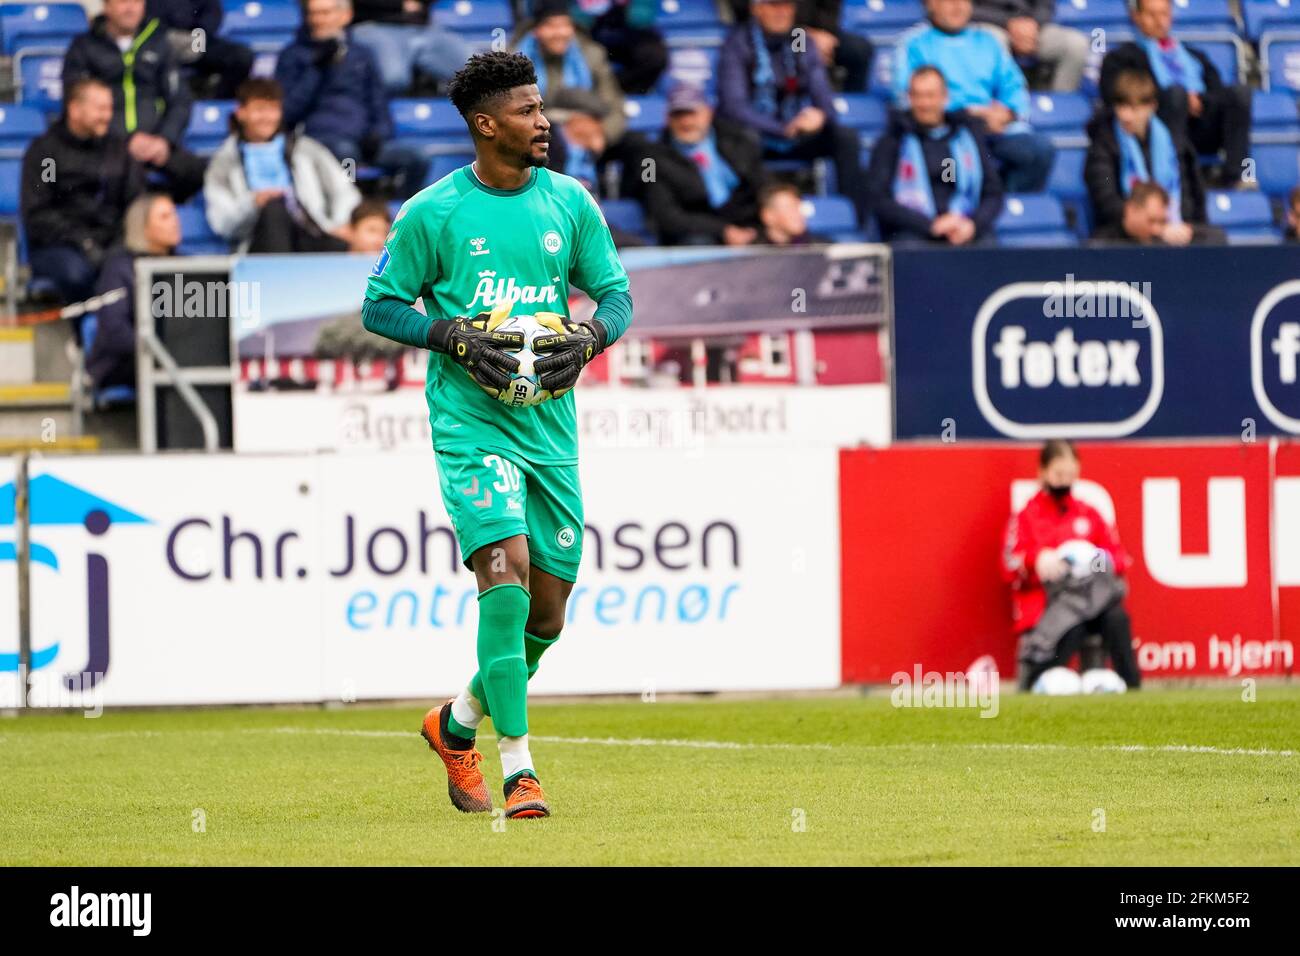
[(327, 19), (690, 126), (783, 212), (950, 15), (928, 97), (554, 34), (517, 128), (774, 17), (1135, 116), (259, 119), (1154, 18), (585, 130), (162, 227), (124, 16), (369, 235), (1146, 221), (91, 113), (1061, 472)]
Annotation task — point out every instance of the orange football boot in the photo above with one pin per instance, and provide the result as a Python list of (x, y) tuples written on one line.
[(465, 785), (527, 799)]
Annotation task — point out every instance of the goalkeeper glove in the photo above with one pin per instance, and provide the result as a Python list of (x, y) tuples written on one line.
[(571, 347), (476, 346)]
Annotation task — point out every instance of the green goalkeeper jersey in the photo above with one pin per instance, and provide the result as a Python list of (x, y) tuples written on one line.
[(463, 247)]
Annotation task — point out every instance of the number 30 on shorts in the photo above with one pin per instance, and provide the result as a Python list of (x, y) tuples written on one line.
[(507, 473)]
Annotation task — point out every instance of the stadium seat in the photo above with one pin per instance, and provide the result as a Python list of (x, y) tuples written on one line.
[(1247, 217), (113, 394), (10, 173), (1062, 116), (695, 66), (690, 23), (1204, 15), (19, 125), (832, 216), (626, 214), (40, 81), (432, 125), (1033, 219), (209, 125), (1221, 48), (881, 81), (1087, 15), (1274, 117), (1277, 167), (474, 20), (197, 237), (443, 164), (1280, 60), (1066, 184), (646, 114), (50, 26), (1262, 15), (262, 26), (862, 112), (881, 18)]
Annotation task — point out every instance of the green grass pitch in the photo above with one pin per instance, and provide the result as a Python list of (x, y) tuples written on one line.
[(1181, 777)]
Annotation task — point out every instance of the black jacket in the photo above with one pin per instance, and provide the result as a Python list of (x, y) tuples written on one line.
[(161, 100), (1130, 56), (897, 220), (112, 355), (388, 11), (84, 203), (1101, 173), (187, 14), (998, 12), (678, 201)]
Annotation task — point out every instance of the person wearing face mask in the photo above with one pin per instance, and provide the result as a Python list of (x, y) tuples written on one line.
[(1066, 568)]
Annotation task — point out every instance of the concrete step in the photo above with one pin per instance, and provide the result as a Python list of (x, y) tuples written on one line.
[(37, 411), (35, 395), (17, 356), (78, 443)]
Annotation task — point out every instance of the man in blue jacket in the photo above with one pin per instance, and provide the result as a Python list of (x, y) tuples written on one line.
[(984, 81), (772, 80), (334, 92)]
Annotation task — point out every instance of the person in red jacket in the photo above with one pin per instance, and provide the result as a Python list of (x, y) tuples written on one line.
[(1034, 563)]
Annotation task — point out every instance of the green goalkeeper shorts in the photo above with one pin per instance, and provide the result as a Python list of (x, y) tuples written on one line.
[(491, 495)]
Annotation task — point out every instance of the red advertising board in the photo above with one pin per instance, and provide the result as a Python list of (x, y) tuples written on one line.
[(1195, 518)]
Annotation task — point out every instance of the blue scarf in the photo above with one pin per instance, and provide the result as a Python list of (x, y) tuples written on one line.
[(1172, 65), (1164, 164), (912, 179), (580, 164), (265, 166), (766, 100), (576, 73), (719, 179)]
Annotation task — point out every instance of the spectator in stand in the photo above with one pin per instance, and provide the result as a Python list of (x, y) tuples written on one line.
[(1194, 102), (780, 212), (334, 92), (370, 223), (411, 50), (984, 81), (845, 54), (625, 28), (1293, 216), (1025, 28), (220, 64), (707, 173), (151, 105), (566, 59), (932, 177), (1066, 567), (269, 190), (1146, 217), (577, 136), (1129, 144), (77, 179), (151, 228), (770, 82)]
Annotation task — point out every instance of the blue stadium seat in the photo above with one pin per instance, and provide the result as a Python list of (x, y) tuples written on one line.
[(1066, 184), (197, 237), (1262, 15), (10, 173), (46, 25), (19, 125), (209, 125), (695, 66), (1247, 217), (1220, 48), (881, 81), (626, 214), (862, 112), (832, 216), (262, 26), (690, 23), (440, 166), (113, 394), (646, 114), (881, 18), (432, 125), (1274, 117), (474, 20), (1062, 116), (1204, 15), (40, 81), (1086, 15), (1277, 167), (1280, 53), (1033, 219)]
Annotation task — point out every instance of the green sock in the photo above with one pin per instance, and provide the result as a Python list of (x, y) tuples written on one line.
[(534, 648), (503, 610), (459, 729)]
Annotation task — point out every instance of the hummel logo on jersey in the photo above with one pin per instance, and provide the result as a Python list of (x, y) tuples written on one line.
[(491, 291), (478, 246)]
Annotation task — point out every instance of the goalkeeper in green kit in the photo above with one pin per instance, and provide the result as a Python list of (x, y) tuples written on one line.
[(503, 235)]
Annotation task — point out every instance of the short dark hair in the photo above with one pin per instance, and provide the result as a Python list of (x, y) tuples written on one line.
[(774, 188), (1145, 190), (485, 78), (77, 88), (1054, 449), (371, 208), (925, 70), (1132, 86), (259, 88)]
